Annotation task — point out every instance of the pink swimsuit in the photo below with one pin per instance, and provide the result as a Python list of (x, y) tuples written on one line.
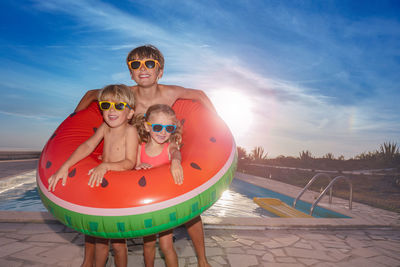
[(161, 159)]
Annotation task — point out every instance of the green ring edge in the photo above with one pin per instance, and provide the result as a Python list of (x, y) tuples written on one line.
[(138, 225)]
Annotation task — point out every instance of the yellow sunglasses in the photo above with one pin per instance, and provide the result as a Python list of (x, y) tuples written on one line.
[(148, 63), (106, 105)]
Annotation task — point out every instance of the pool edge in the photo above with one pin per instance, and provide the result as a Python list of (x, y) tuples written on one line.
[(12, 216), (227, 222), (362, 215), (365, 217)]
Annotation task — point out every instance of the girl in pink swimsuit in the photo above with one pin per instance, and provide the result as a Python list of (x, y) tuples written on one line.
[(160, 137)]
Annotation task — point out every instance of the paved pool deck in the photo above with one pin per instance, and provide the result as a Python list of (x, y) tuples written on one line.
[(370, 238)]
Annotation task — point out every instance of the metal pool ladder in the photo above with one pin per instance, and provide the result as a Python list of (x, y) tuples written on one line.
[(315, 177), (324, 191)]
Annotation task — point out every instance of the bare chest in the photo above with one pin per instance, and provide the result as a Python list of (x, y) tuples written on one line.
[(141, 106), (114, 147)]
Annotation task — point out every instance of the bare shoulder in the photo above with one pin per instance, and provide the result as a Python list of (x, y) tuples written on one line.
[(170, 88), (134, 88), (171, 93), (103, 126), (131, 129), (132, 133), (103, 130), (176, 91)]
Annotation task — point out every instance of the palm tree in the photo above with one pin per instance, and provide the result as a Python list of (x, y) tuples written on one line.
[(341, 157), (389, 151), (258, 154), (328, 156), (242, 153), (305, 155), (367, 155)]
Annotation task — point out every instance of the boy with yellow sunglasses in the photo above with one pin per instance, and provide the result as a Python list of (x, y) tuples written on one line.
[(146, 67), (119, 154)]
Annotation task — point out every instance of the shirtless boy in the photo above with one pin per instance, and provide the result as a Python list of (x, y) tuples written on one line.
[(119, 154)]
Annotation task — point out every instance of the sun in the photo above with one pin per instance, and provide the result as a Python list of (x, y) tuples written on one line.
[(235, 109)]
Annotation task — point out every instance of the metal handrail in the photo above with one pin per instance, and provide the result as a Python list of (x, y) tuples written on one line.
[(330, 187), (309, 184)]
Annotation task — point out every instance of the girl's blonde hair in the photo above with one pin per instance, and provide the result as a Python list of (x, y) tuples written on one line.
[(176, 137), (117, 92)]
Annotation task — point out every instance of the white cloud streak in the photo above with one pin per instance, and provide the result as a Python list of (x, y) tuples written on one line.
[(37, 117), (104, 17)]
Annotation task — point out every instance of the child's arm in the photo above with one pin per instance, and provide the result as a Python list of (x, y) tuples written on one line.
[(80, 153), (88, 98), (176, 167), (185, 93), (131, 147), (140, 165)]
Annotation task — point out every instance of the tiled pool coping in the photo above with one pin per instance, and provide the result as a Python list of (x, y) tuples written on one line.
[(362, 216)]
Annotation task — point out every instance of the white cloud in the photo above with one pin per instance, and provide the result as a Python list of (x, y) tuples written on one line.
[(29, 116), (105, 17), (120, 76)]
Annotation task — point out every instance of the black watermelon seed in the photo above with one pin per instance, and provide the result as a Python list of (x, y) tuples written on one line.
[(195, 166), (72, 173), (212, 139), (104, 182), (54, 135), (94, 129), (72, 114), (48, 164), (182, 122), (142, 181)]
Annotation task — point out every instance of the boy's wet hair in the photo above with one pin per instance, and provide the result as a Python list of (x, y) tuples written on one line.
[(176, 137), (146, 51), (117, 92)]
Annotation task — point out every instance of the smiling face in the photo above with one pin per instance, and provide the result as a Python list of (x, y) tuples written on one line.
[(144, 76), (116, 118), (159, 118)]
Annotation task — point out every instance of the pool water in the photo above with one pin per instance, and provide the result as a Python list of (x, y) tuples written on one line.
[(19, 193), (250, 191)]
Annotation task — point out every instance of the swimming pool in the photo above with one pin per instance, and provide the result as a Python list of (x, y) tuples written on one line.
[(250, 191), (19, 193)]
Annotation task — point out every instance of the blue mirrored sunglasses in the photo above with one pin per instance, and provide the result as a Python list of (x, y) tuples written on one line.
[(159, 127)]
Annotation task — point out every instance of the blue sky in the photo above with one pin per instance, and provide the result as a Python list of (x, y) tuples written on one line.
[(288, 76)]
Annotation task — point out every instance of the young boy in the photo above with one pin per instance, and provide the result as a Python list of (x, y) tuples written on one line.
[(119, 153), (146, 66)]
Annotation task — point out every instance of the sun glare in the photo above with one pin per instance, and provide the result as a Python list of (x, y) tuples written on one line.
[(235, 109)]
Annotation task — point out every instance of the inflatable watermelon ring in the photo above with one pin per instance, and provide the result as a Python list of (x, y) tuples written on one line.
[(138, 203)]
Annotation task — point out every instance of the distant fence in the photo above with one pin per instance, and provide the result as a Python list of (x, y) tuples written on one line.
[(14, 155), (376, 172)]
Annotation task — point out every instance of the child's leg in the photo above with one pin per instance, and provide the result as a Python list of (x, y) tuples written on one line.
[(149, 250), (88, 260), (167, 247), (102, 249), (120, 252), (196, 233)]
